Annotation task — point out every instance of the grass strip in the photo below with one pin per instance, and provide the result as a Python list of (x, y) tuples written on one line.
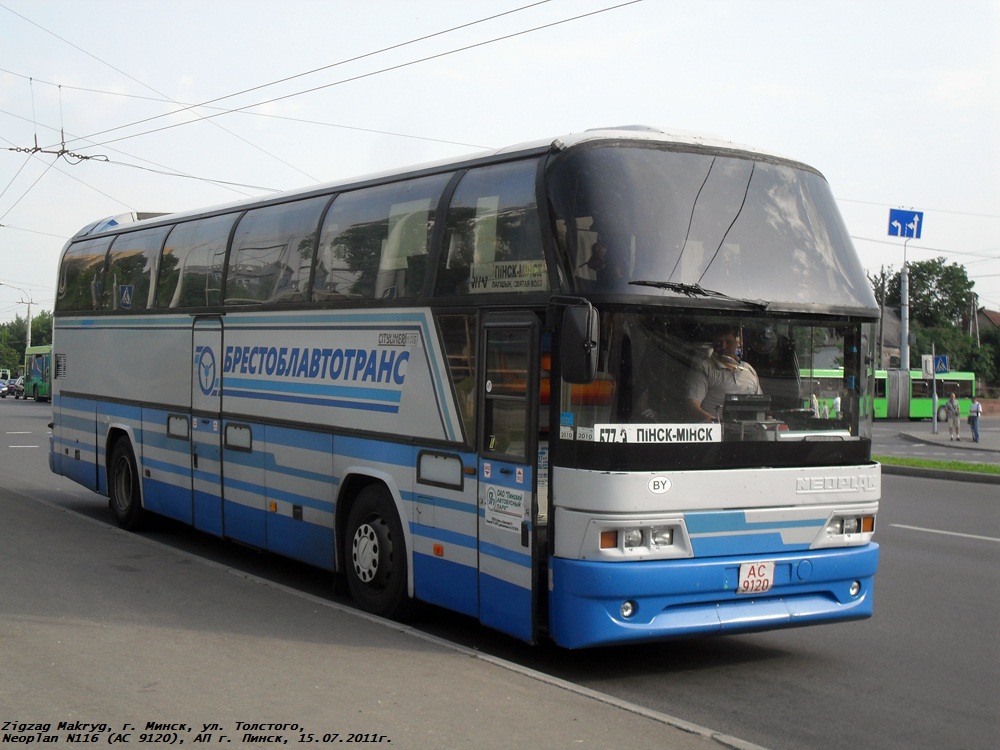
[(924, 463)]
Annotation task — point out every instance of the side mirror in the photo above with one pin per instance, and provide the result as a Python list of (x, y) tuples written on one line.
[(579, 343)]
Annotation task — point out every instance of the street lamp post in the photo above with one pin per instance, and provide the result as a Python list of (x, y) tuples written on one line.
[(27, 337)]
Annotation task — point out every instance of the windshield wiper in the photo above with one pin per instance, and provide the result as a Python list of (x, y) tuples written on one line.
[(697, 290)]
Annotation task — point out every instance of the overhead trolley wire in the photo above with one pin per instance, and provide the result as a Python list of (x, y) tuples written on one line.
[(358, 77)]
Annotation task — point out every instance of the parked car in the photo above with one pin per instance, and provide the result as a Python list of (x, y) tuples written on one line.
[(3, 390)]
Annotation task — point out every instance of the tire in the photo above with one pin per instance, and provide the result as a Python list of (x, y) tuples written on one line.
[(123, 487), (942, 414), (375, 555)]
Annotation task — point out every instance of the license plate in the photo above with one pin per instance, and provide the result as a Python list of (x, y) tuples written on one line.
[(756, 578)]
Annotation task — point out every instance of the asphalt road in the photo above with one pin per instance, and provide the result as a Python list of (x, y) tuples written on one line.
[(924, 672)]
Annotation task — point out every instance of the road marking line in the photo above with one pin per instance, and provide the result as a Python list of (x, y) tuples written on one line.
[(22, 446), (22, 432), (949, 533)]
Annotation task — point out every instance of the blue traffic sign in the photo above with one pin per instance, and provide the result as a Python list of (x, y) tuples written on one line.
[(940, 364), (904, 223)]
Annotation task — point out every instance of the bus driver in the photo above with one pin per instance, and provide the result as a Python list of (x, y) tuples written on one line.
[(722, 373)]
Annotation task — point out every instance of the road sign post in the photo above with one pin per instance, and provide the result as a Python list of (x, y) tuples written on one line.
[(905, 223), (934, 398)]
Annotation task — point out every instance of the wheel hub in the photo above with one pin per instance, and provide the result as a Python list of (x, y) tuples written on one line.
[(365, 552)]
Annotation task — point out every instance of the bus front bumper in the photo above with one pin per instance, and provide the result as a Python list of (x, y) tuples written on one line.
[(697, 596)]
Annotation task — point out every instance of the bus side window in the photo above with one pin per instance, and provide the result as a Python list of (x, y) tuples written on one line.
[(458, 334), (272, 253), (493, 234), (192, 263), (375, 241), (81, 276), (132, 265)]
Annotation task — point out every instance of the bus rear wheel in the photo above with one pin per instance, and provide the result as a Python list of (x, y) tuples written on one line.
[(376, 555), (123, 487)]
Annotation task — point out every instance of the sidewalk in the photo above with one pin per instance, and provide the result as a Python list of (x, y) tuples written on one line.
[(941, 439), (104, 627), (964, 450)]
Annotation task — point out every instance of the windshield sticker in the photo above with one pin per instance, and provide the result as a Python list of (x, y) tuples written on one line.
[(657, 433), (509, 276)]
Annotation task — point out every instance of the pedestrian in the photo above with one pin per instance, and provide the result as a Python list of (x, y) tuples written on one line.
[(836, 407), (953, 412), (975, 412)]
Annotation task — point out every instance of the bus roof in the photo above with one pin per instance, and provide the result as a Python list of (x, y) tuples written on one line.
[(639, 133)]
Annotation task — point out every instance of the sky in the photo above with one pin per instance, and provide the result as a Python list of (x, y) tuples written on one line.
[(897, 103)]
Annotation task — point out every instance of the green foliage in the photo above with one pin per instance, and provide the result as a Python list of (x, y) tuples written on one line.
[(13, 339), (939, 299), (939, 293)]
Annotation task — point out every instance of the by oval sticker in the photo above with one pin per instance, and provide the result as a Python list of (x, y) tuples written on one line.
[(659, 485)]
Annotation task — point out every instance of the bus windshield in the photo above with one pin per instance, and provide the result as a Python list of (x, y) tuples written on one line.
[(700, 391), (652, 219)]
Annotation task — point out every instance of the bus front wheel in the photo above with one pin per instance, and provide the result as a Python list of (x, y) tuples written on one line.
[(123, 487), (376, 555)]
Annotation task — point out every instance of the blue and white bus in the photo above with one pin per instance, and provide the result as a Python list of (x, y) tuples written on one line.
[(469, 384)]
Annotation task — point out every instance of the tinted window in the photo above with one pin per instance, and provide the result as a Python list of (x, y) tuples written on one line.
[(492, 237), (193, 259), (129, 280), (81, 276), (271, 256), (637, 219), (375, 241), (458, 334)]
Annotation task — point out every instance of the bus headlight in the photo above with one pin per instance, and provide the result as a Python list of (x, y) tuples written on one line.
[(655, 539), (846, 530), (661, 536), (841, 525), (632, 538)]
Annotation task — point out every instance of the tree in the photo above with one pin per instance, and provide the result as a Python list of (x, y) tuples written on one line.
[(939, 293), (41, 328), (13, 339)]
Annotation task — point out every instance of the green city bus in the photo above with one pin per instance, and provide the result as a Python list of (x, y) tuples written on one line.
[(38, 372), (898, 394)]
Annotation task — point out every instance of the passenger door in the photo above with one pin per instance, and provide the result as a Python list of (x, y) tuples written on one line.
[(508, 393)]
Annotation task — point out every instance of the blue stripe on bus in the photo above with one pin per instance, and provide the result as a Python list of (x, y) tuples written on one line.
[(229, 393), (707, 524), (443, 535), (341, 391), (262, 493), (516, 558), (743, 544), (387, 453)]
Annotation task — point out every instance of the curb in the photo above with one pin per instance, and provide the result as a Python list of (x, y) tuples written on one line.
[(954, 476)]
